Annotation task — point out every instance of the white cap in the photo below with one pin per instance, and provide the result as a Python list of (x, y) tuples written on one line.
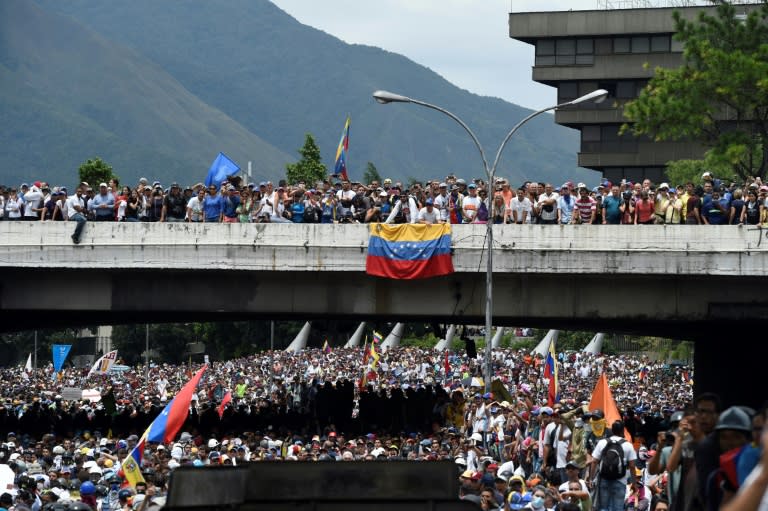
[(664, 185)]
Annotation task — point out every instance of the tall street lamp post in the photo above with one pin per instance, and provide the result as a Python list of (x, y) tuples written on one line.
[(385, 97)]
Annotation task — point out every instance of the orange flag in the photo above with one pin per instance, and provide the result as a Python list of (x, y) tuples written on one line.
[(603, 399)]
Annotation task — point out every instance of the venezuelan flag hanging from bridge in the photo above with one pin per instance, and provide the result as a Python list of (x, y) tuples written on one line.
[(409, 251)]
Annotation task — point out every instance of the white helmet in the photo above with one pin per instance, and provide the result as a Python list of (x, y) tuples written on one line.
[(213, 443), (477, 437)]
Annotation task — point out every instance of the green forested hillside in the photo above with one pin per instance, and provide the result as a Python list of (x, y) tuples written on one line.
[(164, 86)]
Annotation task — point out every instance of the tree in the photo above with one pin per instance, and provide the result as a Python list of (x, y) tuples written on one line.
[(719, 96), (95, 171), (309, 168), (371, 174)]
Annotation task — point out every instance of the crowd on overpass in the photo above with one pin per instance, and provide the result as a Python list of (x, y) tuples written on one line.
[(447, 200), (514, 450)]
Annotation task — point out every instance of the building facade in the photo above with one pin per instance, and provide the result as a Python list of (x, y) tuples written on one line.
[(613, 49)]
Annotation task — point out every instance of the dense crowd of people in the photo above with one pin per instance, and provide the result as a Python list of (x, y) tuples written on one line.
[(451, 200), (513, 449)]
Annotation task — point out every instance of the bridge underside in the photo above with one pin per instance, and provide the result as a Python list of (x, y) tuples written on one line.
[(714, 311)]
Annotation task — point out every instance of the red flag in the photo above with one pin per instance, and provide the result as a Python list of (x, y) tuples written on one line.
[(447, 364), (224, 402), (170, 420)]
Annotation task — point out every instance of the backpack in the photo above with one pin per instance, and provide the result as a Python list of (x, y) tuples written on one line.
[(612, 463)]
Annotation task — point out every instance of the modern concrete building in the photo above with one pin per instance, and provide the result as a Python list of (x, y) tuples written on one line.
[(616, 50)]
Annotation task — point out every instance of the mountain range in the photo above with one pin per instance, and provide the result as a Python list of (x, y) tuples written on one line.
[(157, 89)]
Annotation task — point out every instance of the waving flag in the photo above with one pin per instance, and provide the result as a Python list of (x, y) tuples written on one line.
[(409, 251), (602, 399), (377, 337), (170, 420), (130, 469), (326, 347), (221, 167), (224, 402), (341, 153), (550, 372), (374, 356), (28, 366), (643, 372), (104, 364)]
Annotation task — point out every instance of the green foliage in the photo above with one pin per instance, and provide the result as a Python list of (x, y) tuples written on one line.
[(723, 76), (95, 171), (371, 174), (683, 171), (310, 167), (426, 341)]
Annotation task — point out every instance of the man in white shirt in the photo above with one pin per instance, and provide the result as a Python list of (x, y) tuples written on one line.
[(428, 214), (611, 492), (546, 205), (76, 213), (442, 201), (470, 205), (520, 208)]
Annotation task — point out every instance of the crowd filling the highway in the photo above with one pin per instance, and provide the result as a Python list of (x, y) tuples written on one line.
[(514, 447), (450, 200)]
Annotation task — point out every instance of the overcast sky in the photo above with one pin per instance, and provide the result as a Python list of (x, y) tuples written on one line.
[(465, 41)]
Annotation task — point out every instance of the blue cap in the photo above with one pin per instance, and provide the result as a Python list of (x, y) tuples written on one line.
[(472, 185), (23, 185), (428, 202)]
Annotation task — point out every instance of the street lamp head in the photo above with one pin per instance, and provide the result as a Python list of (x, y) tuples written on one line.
[(596, 96), (384, 97)]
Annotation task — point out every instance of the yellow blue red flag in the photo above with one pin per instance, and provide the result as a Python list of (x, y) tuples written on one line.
[(550, 372), (409, 251), (341, 153)]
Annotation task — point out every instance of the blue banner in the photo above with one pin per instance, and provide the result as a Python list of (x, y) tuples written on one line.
[(221, 167), (60, 352)]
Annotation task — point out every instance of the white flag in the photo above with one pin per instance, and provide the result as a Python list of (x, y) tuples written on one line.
[(28, 367), (104, 364)]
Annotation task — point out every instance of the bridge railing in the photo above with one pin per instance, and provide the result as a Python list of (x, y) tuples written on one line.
[(655, 249)]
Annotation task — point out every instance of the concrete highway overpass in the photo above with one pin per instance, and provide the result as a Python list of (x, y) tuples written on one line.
[(704, 283)]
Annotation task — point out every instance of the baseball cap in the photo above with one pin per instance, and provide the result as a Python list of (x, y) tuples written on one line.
[(472, 185), (428, 202), (663, 186), (443, 185), (104, 185)]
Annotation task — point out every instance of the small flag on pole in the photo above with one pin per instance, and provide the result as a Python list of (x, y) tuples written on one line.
[(341, 153), (326, 348)]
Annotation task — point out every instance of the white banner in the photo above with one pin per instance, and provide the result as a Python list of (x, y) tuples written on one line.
[(104, 364)]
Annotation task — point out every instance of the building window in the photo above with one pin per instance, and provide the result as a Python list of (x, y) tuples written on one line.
[(660, 43), (641, 44), (626, 89), (564, 52), (590, 133), (621, 45), (567, 91), (545, 47), (585, 47)]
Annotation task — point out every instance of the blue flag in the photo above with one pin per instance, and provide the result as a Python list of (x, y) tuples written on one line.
[(221, 167), (60, 352)]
